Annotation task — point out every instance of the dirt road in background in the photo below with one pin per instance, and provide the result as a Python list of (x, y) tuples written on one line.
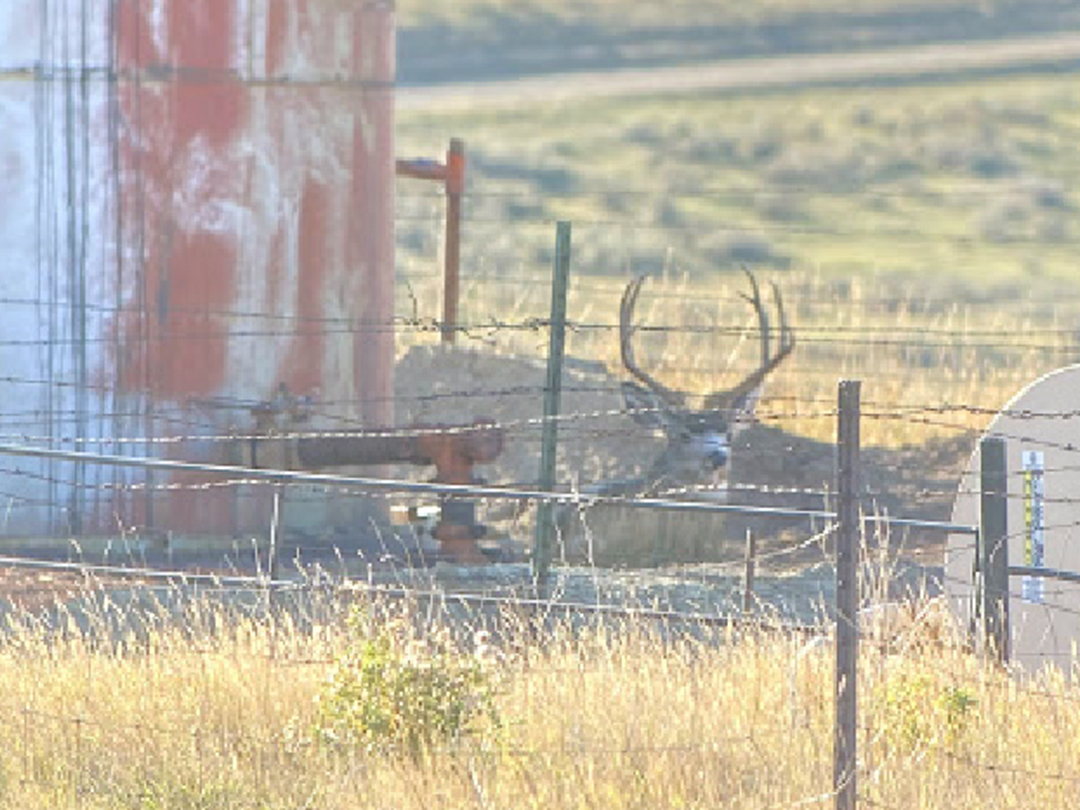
[(1052, 52)]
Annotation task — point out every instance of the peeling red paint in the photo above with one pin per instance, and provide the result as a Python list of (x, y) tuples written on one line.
[(303, 369), (277, 25), (135, 45), (201, 33), (183, 269), (373, 46), (225, 209), (188, 347)]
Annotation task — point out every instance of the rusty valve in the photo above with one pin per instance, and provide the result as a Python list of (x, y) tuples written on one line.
[(453, 452)]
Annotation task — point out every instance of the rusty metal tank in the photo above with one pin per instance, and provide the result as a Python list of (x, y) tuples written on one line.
[(198, 200)]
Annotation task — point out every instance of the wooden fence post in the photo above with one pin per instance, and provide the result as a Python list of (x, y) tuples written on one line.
[(276, 518), (274, 549), (994, 547), (748, 581), (847, 595), (545, 516)]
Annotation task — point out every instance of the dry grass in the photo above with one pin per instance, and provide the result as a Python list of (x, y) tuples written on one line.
[(912, 352), (921, 236), (218, 713)]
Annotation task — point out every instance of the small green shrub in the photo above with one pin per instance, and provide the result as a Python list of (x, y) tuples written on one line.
[(957, 705), (393, 693), (920, 713)]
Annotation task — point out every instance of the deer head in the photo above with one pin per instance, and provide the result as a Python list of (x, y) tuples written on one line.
[(698, 441)]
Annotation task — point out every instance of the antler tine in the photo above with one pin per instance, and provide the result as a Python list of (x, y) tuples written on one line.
[(724, 400), (787, 337), (626, 347), (762, 314)]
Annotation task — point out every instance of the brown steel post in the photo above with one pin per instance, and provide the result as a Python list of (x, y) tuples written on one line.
[(455, 186)]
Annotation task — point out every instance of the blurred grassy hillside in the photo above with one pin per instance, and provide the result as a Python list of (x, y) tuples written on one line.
[(924, 236), (969, 187), (453, 40)]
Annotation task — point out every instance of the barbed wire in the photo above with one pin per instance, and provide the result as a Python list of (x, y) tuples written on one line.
[(835, 298), (909, 413), (884, 409), (777, 189), (1017, 770), (669, 290), (484, 329), (672, 493), (539, 220), (406, 324), (582, 748), (566, 749), (159, 74)]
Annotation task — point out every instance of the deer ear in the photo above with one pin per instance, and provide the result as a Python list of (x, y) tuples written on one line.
[(645, 407)]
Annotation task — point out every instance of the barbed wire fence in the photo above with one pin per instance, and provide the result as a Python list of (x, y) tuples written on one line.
[(764, 498), (131, 576)]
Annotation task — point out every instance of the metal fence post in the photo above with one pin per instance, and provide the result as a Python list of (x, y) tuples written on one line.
[(452, 175), (994, 547), (545, 517), (847, 594), (455, 187), (275, 532), (748, 578)]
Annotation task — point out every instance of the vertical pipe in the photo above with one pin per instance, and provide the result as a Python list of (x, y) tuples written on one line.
[(545, 522), (994, 547), (847, 594), (455, 186)]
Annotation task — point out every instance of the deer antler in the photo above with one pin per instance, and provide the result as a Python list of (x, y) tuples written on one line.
[(729, 399), (626, 347), (733, 398)]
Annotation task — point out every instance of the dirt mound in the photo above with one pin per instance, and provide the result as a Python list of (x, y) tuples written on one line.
[(598, 442), (446, 385), (773, 468)]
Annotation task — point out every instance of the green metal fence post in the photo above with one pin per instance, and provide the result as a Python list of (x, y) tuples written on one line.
[(545, 518)]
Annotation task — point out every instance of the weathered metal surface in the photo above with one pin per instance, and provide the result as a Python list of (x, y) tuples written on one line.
[(214, 223), (1041, 430)]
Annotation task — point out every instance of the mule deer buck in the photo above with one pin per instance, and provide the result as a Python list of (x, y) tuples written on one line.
[(696, 450)]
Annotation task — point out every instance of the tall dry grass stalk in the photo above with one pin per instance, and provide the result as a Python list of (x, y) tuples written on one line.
[(218, 711)]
